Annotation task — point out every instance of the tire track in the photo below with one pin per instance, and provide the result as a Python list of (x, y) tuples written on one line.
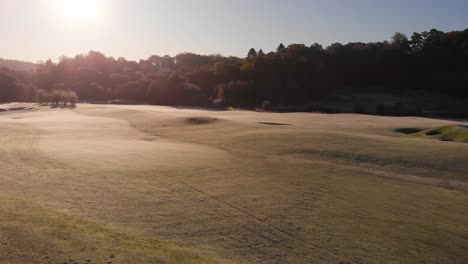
[(441, 183), (341, 259)]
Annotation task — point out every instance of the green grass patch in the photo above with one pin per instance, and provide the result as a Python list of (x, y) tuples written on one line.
[(457, 133), (30, 233)]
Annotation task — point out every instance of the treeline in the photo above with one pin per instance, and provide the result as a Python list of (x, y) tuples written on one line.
[(17, 65), (431, 62), (56, 97)]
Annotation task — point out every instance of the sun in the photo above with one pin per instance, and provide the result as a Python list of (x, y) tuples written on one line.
[(79, 10)]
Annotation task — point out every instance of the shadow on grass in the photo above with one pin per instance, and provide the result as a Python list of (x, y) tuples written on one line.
[(201, 120), (408, 131), (433, 133), (273, 124), (59, 106), (200, 108)]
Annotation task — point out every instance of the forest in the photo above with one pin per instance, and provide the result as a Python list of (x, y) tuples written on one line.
[(431, 65)]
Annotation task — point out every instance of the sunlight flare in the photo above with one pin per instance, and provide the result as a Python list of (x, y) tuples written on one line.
[(79, 10)]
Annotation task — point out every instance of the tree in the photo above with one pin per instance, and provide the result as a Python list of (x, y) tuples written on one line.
[(247, 70), (9, 87), (225, 71), (417, 43), (72, 98), (432, 61), (42, 96), (316, 47), (252, 53), (281, 48), (334, 48), (57, 96), (187, 61), (400, 41)]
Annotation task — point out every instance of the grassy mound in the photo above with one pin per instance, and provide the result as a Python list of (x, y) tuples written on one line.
[(458, 133), (33, 234)]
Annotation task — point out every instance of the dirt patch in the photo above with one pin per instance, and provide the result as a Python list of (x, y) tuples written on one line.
[(201, 120)]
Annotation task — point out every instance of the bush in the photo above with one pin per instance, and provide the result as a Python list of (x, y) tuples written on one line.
[(401, 109), (42, 96), (266, 105), (57, 97), (380, 109), (359, 108), (72, 98)]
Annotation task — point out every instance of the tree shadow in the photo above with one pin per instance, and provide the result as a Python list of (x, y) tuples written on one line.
[(200, 108), (61, 106)]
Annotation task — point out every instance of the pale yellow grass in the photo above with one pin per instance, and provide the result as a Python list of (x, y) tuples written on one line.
[(234, 186)]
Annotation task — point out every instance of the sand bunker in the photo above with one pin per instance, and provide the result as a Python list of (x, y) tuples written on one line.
[(274, 124), (408, 131), (201, 120)]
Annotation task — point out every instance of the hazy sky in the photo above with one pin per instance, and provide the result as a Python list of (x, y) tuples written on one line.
[(39, 29)]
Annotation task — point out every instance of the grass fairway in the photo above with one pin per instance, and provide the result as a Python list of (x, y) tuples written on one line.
[(29, 233), (149, 184)]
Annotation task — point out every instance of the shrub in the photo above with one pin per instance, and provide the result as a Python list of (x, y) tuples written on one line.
[(358, 108), (401, 109), (57, 97), (42, 96), (380, 109), (72, 98), (266, 105)]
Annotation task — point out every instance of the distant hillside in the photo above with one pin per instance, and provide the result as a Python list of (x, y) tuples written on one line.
[(18, 65)]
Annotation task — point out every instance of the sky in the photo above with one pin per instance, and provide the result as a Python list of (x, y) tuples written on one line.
[(34, 30)]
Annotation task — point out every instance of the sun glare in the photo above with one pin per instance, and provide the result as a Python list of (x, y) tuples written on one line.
[(79, 10)]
